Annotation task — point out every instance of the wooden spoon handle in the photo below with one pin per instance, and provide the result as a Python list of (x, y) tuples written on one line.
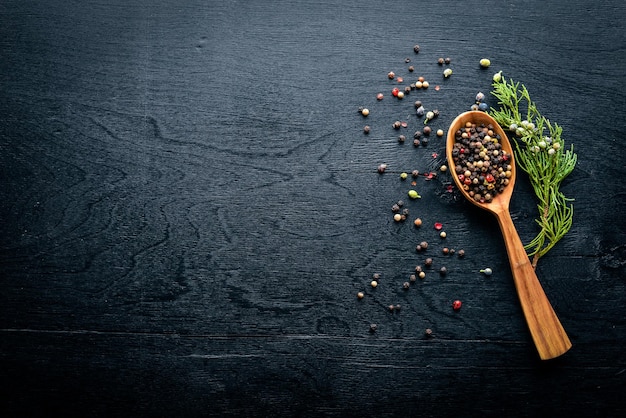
[(546, 329)]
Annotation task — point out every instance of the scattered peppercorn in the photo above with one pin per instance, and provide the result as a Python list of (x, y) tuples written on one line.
[(413, 194), (373, 283), (391, 308), (382, 168), (456, 305), (412, 278), (487, 271), (417, 222), (447, 72), (401, 139), (447, 60), (443, 271), (406, 285), (366, 129), (445, 250), (365, 112), (440, 61), (379, 96), (373, 327), (485, 63), (421, 275), (443, 234), (428, 262), (360, 295), (416, 49), (428, 332), (461, 253), (391, 75)]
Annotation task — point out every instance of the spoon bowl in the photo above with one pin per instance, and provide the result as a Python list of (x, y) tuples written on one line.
[(545, 328)]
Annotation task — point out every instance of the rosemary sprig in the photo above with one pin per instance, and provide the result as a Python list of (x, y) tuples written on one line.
[(540, 152)]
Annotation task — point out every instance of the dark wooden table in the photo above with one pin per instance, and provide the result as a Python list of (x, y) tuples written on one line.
[(189, 206)]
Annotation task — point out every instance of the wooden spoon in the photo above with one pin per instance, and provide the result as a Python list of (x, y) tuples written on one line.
[(546, 330)]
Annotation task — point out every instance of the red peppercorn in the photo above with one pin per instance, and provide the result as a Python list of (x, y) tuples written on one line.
[(438, 226), (456, 305), (395, 92), (489, 178)]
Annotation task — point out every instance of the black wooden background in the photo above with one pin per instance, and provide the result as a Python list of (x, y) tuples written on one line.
[(189, 206)]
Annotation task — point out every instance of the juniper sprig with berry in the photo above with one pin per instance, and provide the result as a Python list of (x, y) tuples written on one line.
[(541, 153)]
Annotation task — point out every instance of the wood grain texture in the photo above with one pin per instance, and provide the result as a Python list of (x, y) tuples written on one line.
[(188, 207)]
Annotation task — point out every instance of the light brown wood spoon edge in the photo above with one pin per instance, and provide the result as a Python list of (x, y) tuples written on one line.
[(546, 330)]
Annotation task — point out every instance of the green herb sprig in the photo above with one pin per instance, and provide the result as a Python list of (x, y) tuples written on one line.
[(541, 153)]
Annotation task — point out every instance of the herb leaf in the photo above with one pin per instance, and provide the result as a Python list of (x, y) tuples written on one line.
[(540, 152)]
